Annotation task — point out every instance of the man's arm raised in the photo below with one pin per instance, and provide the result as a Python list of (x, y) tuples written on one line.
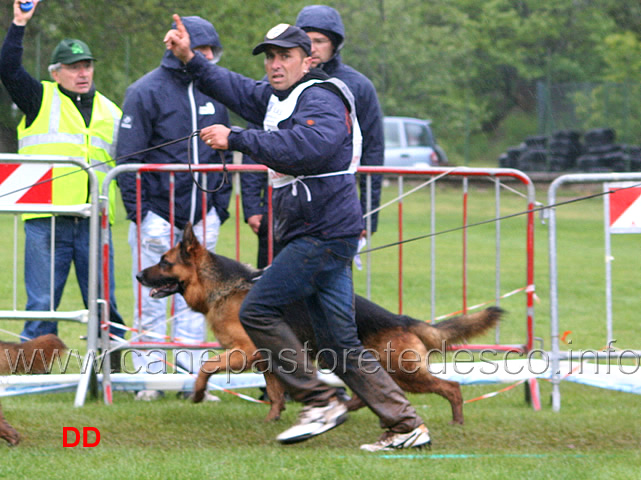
[(20, 17), (177, 40)]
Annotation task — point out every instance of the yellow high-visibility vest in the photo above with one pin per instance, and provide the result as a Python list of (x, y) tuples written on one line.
[(59, 129)]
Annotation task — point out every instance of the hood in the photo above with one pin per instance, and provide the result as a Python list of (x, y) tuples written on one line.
[(322, 18), (201, 32)]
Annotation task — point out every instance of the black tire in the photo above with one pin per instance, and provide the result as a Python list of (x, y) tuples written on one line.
[(599, 136), (533, 161), (570, 135), (537, 142), (603, 150), (587, 163), (515, 152), (560, 163), (557, 164), (615, 161)]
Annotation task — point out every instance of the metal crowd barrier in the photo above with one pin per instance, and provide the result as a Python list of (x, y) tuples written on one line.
[(426, 178), (429, 178), (556, 354), (22, 174)]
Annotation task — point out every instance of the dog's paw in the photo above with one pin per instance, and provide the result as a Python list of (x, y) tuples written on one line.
[(9, 434), (198, 396), (272, 417)]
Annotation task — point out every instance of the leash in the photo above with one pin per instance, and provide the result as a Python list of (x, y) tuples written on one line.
[(193, 176), (140, 152), (370, 250), (496, 219)]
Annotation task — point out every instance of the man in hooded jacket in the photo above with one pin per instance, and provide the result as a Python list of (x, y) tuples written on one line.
[(325, 28), (160, 107), (312, 143)]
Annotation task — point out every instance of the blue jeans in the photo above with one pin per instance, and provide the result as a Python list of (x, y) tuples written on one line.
[(71, 245), (319, 272)]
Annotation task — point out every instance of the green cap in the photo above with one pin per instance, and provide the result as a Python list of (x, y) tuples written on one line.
[(71, 51)]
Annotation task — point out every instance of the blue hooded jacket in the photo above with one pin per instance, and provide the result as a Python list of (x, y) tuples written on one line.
[(315, 139), (161, 106), (326, 20)]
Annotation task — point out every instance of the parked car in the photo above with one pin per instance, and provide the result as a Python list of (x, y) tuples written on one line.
[(410, 142)]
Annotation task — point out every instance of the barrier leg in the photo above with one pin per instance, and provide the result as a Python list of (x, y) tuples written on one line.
[(85, 379), (106, 368), (532, 394)]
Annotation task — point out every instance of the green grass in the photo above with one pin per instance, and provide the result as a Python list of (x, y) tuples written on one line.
[(484, 148), (596, 434)]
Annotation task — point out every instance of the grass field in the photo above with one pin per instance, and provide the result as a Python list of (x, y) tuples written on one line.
[(596, 434)]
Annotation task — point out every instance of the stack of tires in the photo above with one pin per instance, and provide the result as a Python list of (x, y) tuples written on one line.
[(535, 155), (565, 147), (534, 158), (565, 152), (510, 159), (632, 154), (600, 153)]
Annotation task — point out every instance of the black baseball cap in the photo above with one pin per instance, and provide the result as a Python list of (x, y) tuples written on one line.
[(285, 36)]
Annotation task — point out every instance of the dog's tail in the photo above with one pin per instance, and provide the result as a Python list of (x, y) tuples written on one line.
[(457, 329)]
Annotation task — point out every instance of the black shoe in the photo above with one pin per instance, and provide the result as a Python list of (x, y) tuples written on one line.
[(263, 396)]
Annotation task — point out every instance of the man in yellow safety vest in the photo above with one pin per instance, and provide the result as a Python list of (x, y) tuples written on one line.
[(66, 117)]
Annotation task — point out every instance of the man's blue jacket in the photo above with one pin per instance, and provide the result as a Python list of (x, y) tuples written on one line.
[(315, 139), (162, 106)]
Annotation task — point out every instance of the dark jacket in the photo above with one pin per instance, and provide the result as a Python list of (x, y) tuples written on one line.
[(368, 111), (370, 119), (327, 20), (315, 139), (163, 106), (253, 187)]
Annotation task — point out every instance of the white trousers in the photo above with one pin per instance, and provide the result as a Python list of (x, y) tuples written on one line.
[(151, 314)]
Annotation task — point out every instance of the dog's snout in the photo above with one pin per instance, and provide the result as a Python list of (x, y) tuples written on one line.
[(140, 276)]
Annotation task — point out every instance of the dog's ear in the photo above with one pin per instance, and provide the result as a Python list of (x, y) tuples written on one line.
[(189, 241), (188, 234)]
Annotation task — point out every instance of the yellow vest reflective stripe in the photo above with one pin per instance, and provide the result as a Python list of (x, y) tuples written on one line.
[(59, 129)]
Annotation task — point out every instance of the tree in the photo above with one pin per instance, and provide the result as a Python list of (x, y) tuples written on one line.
[(464, 63)]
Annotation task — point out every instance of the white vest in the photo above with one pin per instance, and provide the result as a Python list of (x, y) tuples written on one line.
[(279, 110)]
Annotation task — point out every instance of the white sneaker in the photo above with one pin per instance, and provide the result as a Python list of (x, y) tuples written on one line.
[(313, 421), (210, 398), (417, 438), (149, 395)]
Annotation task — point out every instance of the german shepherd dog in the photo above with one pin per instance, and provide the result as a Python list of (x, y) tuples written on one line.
[(33, 356), (216, 286)]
